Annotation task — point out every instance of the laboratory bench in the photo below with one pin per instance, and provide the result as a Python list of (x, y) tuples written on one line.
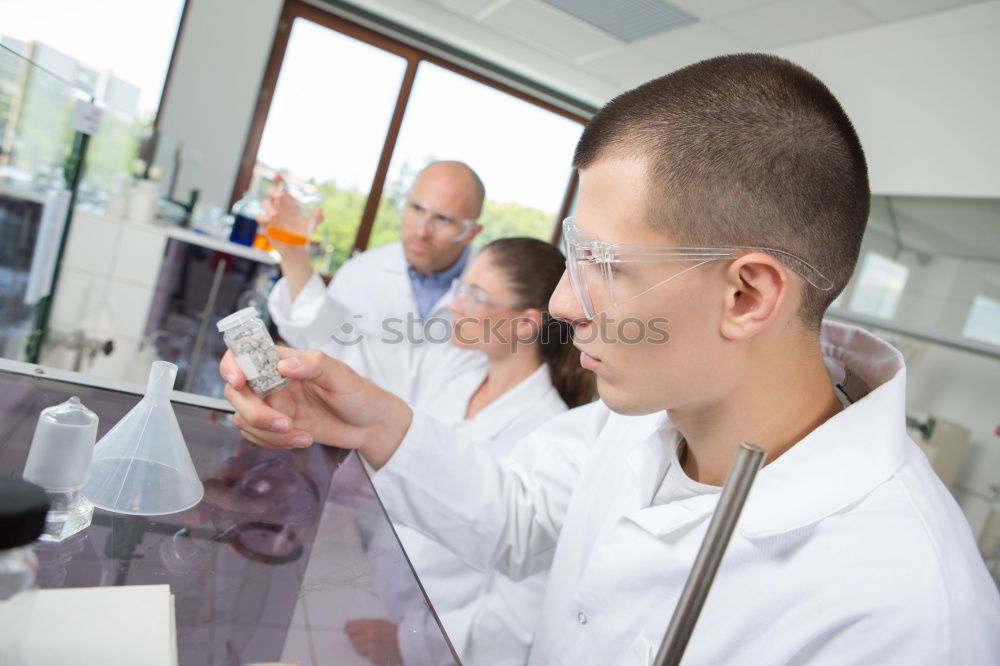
[(283, 550)]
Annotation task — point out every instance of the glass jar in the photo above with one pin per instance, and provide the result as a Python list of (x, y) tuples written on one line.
[(59, 463), (245, 212), (252, 347)]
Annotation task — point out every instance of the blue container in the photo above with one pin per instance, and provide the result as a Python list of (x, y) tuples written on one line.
[(244, 230)]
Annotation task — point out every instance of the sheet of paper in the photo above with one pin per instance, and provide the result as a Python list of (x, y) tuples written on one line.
[(86, 117), (111, 626)]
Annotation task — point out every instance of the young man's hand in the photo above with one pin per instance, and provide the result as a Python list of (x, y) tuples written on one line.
[(325, 402)]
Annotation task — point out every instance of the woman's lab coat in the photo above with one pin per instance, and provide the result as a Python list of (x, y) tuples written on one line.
[(494, 612), (373, 286), (849, 549), (439, 379)]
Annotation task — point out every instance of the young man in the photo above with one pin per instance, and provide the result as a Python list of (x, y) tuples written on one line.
[(408, 278), (729, 199)]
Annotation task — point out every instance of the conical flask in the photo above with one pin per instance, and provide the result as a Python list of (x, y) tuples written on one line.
[(142, 466)]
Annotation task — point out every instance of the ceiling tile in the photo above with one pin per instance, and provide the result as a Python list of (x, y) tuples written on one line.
[(625, 66), (792, 21), (707, 9), (895, 10), (549, 29), (694, 42), (466, 7)]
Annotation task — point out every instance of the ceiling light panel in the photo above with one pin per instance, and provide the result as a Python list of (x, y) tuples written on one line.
[(627, 20)]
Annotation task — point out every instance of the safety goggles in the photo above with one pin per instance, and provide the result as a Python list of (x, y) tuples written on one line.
[(598, 275), (471, 298), (439, 224)]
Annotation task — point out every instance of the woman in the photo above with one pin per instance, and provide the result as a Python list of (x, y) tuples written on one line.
[(531, 373)]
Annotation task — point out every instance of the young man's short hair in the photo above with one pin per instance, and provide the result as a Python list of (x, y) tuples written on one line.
[(745, 149)]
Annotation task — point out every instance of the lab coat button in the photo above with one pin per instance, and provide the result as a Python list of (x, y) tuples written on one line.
[(581, 617)]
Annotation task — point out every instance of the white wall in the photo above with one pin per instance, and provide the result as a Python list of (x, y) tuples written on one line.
[(924, 96), (107, 282), (217, 73)]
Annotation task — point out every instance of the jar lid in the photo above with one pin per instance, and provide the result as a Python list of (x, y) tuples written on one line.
[(69, 413), (237, 318), (23, 506)]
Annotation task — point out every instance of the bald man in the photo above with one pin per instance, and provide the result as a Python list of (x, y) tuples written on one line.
[(389, 291)]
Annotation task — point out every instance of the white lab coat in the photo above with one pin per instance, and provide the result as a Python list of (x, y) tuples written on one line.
[(849, 549), (497, 613), (439, 379), (376, 291)]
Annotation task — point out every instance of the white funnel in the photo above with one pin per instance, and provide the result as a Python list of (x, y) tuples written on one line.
[(142, 466)]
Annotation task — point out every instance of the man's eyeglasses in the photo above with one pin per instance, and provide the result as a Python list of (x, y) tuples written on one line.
[(439, 224), (593, 266)]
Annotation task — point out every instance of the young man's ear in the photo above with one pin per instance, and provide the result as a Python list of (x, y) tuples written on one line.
[(757, 285)]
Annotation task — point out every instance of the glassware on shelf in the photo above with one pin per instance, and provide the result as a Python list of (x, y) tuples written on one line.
[(245, 212)]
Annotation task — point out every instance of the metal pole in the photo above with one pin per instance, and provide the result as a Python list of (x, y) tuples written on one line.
[(40, 320), (206, 315), (748, 462)]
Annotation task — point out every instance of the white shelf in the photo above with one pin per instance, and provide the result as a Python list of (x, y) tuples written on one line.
[(212, 243), (14, 192)]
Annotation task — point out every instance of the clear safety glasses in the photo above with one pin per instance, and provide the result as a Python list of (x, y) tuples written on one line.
[(602, 281), (439, 224), (471, 298)]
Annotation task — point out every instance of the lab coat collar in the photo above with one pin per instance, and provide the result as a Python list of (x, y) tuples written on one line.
[(398, 265), (833, 467), (535, 387), (849, 455)]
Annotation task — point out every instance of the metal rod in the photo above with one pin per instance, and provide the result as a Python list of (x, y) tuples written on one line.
[(748, 462), (43, 308), (206, 315)]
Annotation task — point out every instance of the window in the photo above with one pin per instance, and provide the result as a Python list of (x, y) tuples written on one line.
[(83, 44), (356, 114), (521, 151), (326, 126), (983, 322), (87, 41), (54, 53), (879, 286)]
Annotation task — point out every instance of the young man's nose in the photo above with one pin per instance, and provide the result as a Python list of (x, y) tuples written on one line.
[(563, 304)]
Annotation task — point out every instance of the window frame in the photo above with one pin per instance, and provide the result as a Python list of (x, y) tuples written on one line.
[(294, 9), (170, 65)]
